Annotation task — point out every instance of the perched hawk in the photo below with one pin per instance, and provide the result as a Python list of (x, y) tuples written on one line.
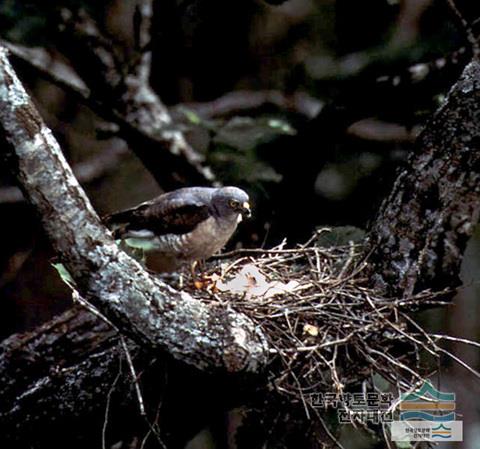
[(184, 225)]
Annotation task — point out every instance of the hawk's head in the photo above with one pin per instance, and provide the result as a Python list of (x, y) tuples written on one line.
[(231, 202)]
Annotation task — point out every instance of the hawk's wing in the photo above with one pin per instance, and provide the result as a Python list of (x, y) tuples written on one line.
[(167, 214)]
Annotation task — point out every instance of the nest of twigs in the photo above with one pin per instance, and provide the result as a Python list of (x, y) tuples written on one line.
[(327, 329)]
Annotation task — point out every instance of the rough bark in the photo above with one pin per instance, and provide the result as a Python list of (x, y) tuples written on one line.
[(90, 170), (149, 311), (59, 382), (57, 371), (419, 236), (416, 242)]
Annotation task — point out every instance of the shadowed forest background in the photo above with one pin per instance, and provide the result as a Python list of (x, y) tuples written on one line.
[(311, 106)]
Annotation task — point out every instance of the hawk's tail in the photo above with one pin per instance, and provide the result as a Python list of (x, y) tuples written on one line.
[(118, 222)]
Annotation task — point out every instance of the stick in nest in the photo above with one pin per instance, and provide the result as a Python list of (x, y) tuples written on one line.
[(331, 331)]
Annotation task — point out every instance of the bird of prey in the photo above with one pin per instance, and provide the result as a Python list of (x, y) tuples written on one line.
[(185, 225)]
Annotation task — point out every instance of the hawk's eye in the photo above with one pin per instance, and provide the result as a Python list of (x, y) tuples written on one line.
[(234, 204)]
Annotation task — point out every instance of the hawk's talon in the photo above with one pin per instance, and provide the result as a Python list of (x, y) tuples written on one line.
[(207, 282)]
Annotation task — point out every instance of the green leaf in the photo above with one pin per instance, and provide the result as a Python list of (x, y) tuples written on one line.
[(282, 126), (191, 116), (64, 275), (144, 244)]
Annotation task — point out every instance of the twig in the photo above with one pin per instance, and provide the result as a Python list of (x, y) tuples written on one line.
[(153, 428), (327, 431), (467, 28), (244, 101), (125, 98), (142, 25), (125, 95), (77, 298), (460, 362), (107, 406), (456, 339), (133, 374)]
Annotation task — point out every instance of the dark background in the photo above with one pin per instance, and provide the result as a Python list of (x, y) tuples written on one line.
[(327, 159)]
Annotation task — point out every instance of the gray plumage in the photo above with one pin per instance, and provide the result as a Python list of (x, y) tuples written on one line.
[(182, 226)]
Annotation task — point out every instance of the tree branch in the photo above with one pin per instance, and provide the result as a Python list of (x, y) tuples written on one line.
[(243, 101), (87, 171), (48, 370), (63, 373), (419, 236), (123, 94), (149, 311), (142, 25), (467, 28), (59, 73), (144, 122)]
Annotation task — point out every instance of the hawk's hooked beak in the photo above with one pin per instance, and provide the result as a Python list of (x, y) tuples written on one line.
[(246, 210)]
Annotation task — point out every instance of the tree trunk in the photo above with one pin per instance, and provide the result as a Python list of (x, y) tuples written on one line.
[(419, 236), (151, 312), (63, 372)]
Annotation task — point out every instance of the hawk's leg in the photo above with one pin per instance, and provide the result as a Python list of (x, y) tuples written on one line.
[(200, 264), (203, 280), (193, 266)]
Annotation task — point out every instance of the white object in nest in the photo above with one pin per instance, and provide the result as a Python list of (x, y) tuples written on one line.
[(252, 283)]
